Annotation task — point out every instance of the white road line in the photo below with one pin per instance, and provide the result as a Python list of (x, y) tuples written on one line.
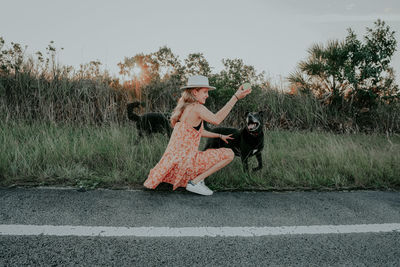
[(71, 230)]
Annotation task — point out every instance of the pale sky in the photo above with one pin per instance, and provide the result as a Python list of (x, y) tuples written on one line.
[(271, 35)]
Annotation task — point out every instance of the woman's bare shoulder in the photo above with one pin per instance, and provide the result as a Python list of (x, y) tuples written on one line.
[(199, 107), (205, 114)]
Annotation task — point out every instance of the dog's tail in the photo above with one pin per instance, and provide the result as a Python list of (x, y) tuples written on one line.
[(132, 115)]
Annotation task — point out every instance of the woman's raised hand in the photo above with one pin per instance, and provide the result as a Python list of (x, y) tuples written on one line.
[(240, 93)]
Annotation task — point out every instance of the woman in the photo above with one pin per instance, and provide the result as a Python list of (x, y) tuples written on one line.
[(182, 164)]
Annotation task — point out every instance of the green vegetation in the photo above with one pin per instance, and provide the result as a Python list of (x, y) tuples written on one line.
[(351, 76), (61, 126), (92, 156), (344, 87)]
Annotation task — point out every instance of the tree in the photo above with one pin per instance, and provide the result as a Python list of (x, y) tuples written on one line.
[(158, 72), (234, 74), (368, 69), (167, 64), (196, 64), (350, 69), (322, 73)]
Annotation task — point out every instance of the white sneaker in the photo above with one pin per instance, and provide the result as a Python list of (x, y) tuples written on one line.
[(198, 189), (206, 187)]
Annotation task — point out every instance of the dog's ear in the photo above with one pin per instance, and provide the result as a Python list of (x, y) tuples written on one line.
[(247, 113), (261, 113)]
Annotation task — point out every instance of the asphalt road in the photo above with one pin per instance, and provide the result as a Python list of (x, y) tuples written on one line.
[(117, 208)]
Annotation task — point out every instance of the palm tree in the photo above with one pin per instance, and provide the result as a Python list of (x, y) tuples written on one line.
[(322, 72)]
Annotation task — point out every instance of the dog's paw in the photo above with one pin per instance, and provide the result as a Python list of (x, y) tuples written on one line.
[(256, 169)]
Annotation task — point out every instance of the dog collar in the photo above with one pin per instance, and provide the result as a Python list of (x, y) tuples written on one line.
[(252, 133)]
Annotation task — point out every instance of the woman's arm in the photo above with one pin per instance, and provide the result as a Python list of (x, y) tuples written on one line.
[(217, 118), (205, 114), (206, 133), (225, 138)]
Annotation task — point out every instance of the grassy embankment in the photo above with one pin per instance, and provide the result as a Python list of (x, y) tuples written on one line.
[(107, 157)]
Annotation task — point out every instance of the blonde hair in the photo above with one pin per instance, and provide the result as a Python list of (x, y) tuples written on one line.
[(186, 99)]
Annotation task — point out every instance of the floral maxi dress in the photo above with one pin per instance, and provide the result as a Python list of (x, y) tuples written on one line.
[(182, 161)]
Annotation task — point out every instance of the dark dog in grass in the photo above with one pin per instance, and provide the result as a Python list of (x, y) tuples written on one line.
[(149, 123), (247, 142)]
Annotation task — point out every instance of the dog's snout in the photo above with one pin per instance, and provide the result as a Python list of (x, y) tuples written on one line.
[(251, 118)]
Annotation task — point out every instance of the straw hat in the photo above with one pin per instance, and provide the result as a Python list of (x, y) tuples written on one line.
[(198, 81)]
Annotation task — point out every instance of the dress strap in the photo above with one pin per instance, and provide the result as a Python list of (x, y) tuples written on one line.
[(198, 126)]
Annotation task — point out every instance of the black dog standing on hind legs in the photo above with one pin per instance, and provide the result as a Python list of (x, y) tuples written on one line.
[(149, 123), (247, 142)]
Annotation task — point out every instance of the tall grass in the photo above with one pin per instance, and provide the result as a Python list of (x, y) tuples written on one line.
[(41, 90), (60, 99), (107, 156), (293, 111), (50, 153)]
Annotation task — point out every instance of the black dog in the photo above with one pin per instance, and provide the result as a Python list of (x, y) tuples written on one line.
[(149, 123), (246, 143)]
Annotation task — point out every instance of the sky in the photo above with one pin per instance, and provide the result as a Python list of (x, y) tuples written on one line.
[(271, 35)]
